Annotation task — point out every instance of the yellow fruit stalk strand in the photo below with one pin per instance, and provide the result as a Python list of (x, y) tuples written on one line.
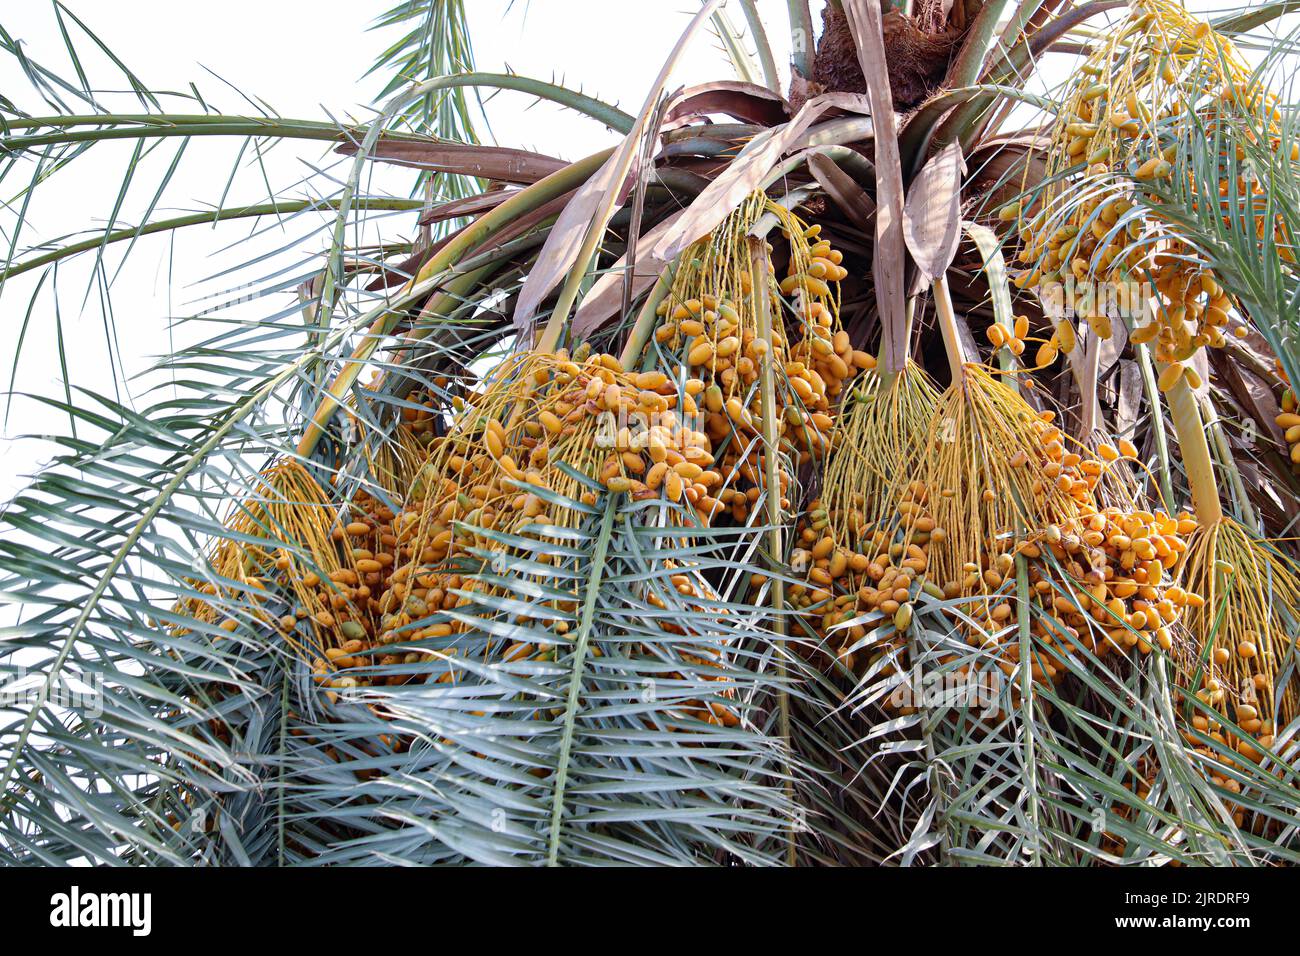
[(878, 444), (878, 441), (1177, 386), (994, 465), (1244, 631), (293, 510), (995, 481), (708, 322)]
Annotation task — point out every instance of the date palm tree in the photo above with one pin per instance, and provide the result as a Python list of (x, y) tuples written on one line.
[(547, 531)]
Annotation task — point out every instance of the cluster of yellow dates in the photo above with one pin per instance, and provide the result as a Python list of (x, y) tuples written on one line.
[(1103, 574), (1289, 419), (709, 321), (1115, 130), (686, 435), (362, 584)]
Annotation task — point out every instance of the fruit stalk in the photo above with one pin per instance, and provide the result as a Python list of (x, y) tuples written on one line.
[(948, 326), (1195, 449)]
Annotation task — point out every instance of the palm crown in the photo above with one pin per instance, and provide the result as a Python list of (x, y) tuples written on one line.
[(743, 493)]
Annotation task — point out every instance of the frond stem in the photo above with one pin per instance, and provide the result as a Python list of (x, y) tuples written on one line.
[(1027, 702), (483, 228), (1157, 424), (201, 218), (581, 640), (760, 291)]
